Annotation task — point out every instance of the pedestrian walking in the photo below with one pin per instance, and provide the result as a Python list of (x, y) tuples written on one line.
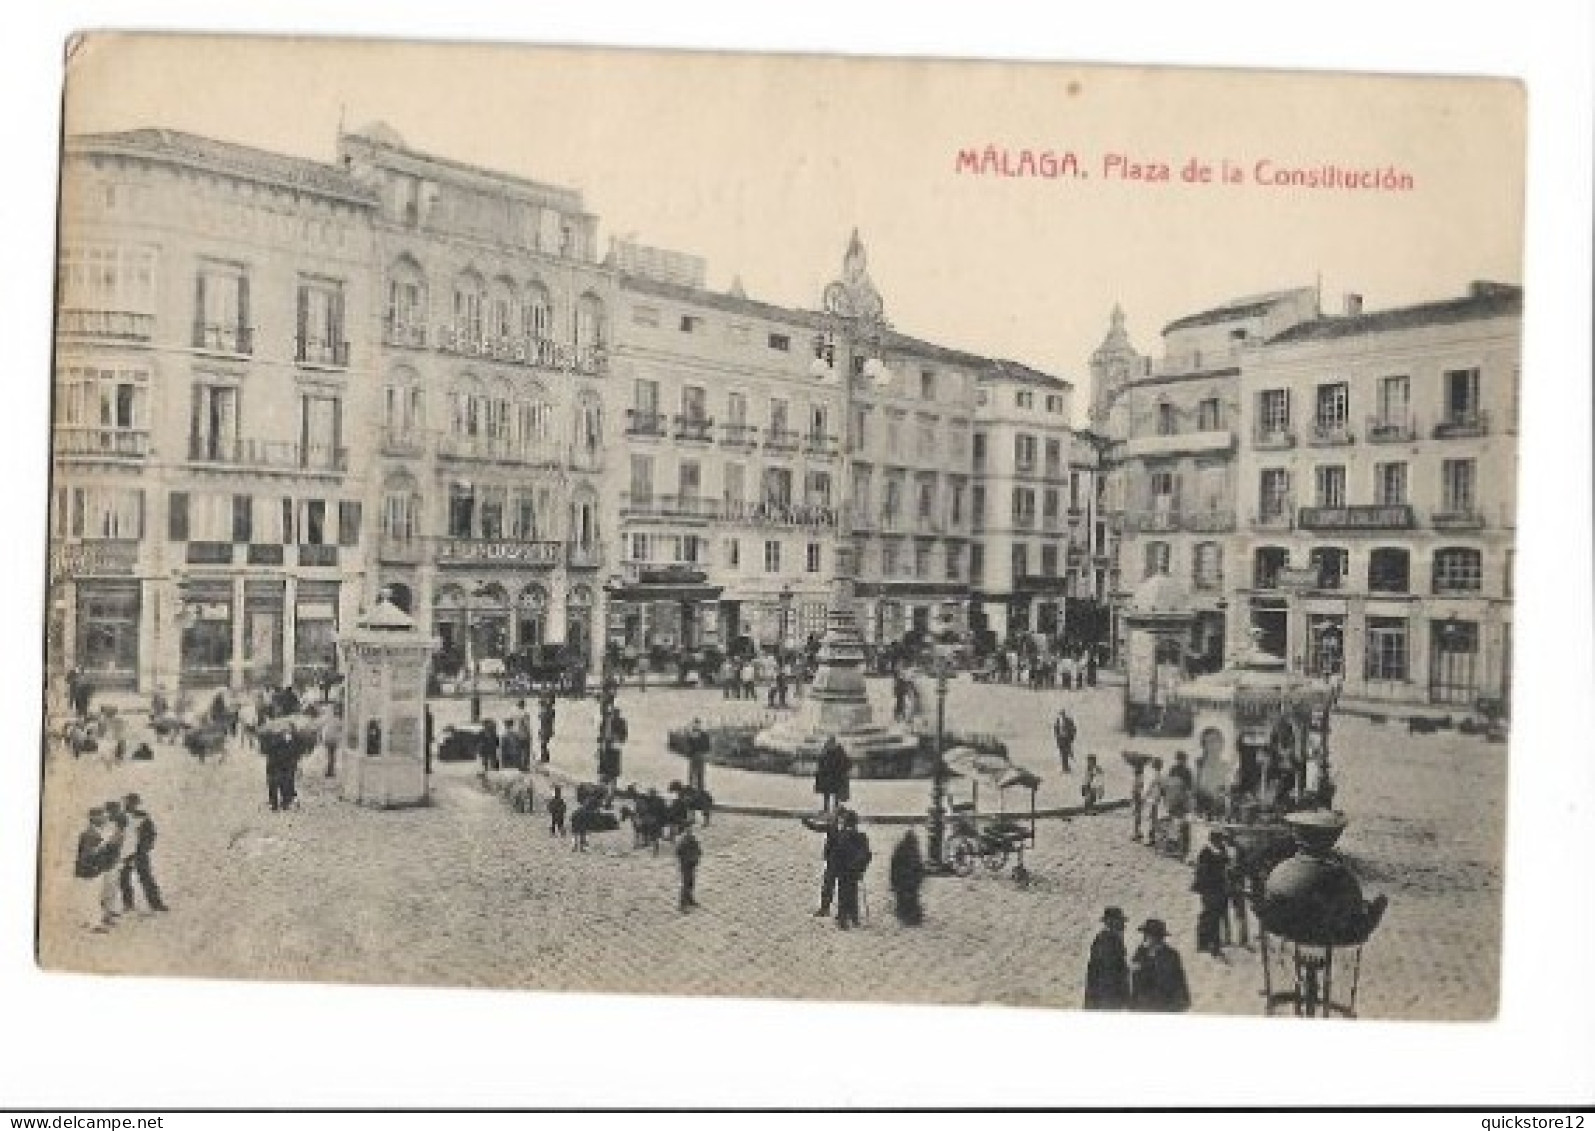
[(545, 725), (487, 745), (282, 748), (1177, 791), (1063, 732), (143, 832), (749, 689), (697, 757), (831, 774), (523, 733), (831, 826), (1137, 797), (1107, 972), (612, 735), (1210, 883), (907, 877), (556, 814), (688, 853), (96, 858), (509, 745), (852, 861), (1154, 805), (331, 737), (1157, 977), (1236, 878), (1091, 789)]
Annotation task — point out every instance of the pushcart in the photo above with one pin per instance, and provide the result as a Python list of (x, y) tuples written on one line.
[(992, 839)]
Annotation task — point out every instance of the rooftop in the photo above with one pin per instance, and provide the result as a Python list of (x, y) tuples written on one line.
[(384, 136), (228, 158), (1483, 300), (1251, 306)]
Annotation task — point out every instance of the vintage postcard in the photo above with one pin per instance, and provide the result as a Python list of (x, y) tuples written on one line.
[(788, 527)]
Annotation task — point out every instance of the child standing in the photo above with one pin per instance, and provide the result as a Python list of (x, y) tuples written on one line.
[(556, 814)]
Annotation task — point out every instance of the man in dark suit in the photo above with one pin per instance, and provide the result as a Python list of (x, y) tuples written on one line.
[(1107, 973), (1212, 886), (852, 859), (688, 853), (142, 826), (1157, 980)]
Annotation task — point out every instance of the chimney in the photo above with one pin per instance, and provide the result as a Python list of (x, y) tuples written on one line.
[(1486, 288), (1353, 305)]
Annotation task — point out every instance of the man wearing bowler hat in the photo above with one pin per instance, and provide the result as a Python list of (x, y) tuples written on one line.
[(1157, 983), (1107, 974)]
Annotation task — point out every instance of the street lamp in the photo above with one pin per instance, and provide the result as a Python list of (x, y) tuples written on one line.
[(786, 613), (936, 837)]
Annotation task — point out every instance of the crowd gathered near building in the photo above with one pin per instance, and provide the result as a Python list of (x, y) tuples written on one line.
[(285, 386)]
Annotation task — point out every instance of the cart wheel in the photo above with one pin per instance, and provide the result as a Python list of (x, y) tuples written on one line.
[(962, 854), (996, 858)]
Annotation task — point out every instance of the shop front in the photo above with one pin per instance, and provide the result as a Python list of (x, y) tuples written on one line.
[(263, 633), (205, 652), (315, 628), (106, 647)]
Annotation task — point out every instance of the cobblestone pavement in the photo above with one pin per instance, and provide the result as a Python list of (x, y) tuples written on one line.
[(467, 892)]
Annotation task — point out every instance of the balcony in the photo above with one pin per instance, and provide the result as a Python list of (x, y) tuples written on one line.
[(1375, 517), (516, 552), (236, 340), (522, 349), (814, 516), (1273, 439), (1208, 521), (583, 458), (321, 355), (819, 444), (584, 556), (403, 334), (1391, 430), (1024, 466), (403, 442), (395, 549), (1330, 434), (325, 557), (740, 435), (208, 553), (668, 506), (780, 440), (1468, 518), (1272, 520), (120, 325), (1152, 521), (498, 449), (699, 429), (1200, 442), (85, 440), (1456, 425), (645, 422), (265, 456)]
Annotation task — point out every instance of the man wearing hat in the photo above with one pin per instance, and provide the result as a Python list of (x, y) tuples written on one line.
[(852, 853), (1212, 885), (1157, 979), (142, 826), (1107, 974), (96, 855)]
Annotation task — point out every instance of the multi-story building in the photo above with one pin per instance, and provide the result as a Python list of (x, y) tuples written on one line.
[(493, 314), (1034, 492), (730, 482), (212, 373), (1377, 480), (1173, 430)]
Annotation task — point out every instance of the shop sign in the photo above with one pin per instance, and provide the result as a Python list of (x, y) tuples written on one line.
[(481, 551), (93, 559)]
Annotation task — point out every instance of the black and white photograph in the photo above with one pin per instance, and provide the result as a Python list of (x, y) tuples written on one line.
[(729, 524)]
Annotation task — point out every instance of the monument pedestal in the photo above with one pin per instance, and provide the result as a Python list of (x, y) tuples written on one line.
[(384, 707), (384, 782)]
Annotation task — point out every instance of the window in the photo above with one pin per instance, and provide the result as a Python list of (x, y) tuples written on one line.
[(221, 308), (977, 506), (1273, 411), (590, 327), (977, 563), (733, 553), (691, 323), (817, 488), (1394, 396), (462, 510), (1456, 486), (689, 477), (1049, 506), (811, 561), (1334, 407), (1166, 425), (1458, 569), (776, 485), (1461, 396), (734, 485), (1024, 507), (1207, 566), (537, 310), (313, 523), (470, 296), (1021, 560), (1157, 558), (927, 384), (1024, 452), (1024, 398), (922, 558), (320, 338), (1390, 484), (1054, 458), (320, 425), (1074, 490), (1165, 489), (1055, 404), (860, 436), (955, 503), (925, 491), (1329, 483), (693, 403), (927, 439), (1387, 649), (108, 278), (1273, 498), (861, 490), (954, 562), (1049, 560), (645, 315), (888, 559), (116, 513), (1209, 418), (892, 506), (779, 419), (1331, 564), (1389, 570), (642, 479), (213, 430), (772, 556), (894, 429), (979, 451), (1267, 561), (782, 342), (637, 548), (105, 400), (820, 421)]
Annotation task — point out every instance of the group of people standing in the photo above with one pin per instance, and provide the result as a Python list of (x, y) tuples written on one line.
[(783, 674), (1024, 662), (113, 850), (511, 748), (1151, 981)]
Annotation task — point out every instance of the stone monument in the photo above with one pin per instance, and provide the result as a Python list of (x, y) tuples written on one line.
[(385, 663)]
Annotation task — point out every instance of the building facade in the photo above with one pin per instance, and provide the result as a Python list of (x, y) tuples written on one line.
[(491, 418), (1172, 426), (212, 373), (1377, 475), (731, 477), (1035, 498)]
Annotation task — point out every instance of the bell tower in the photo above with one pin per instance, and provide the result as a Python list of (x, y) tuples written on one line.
[(1114, 364)]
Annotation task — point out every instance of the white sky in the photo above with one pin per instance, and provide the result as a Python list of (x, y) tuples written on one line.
[(763, 164)]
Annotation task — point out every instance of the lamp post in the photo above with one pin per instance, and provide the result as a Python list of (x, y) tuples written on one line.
[(786, 613), (935, 839)]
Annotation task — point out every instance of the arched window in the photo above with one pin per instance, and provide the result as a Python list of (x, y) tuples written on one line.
[(534, 424), (403, 409), (584, 519), (1458, 569), (401, 507), (1331, 564), (406, 318), (590, 327), (1389, 570), (1207, 566), (589, 424), (1267, 561), (503, 311), (470, 300), (531, 613), (468, 401), (537, 312)]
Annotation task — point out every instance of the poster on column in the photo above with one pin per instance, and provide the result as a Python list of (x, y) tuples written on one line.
[(968, 295)]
